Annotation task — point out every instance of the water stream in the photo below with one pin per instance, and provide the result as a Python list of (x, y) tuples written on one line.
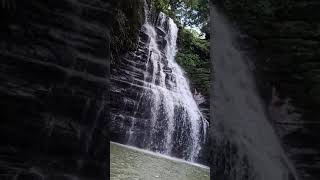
[(246, 145)]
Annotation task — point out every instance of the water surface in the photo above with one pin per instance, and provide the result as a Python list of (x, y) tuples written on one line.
[(135, 164)]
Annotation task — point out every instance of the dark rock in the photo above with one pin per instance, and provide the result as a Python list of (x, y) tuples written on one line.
[(60, 177), (54, 89), (29, 176), (286, 56)]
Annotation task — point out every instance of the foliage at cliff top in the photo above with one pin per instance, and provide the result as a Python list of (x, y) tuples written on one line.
[(187, 13)]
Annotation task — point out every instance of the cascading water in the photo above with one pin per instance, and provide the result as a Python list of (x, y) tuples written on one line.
[(153, 107), (245, 145)]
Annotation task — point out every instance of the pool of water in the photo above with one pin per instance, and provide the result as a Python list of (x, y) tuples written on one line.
[(135, 164)]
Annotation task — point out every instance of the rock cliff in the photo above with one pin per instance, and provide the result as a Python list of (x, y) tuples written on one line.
[(283, 38), (54, 89)]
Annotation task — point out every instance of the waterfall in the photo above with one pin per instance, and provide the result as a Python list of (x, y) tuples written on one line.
[(154, 107), (246, 146)]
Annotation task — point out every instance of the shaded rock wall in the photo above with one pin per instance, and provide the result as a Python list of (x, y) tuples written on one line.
[(125, 38), (54, 89), (128, 19), (283, 38)]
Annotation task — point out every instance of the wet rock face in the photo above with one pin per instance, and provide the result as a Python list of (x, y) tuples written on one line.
[(283, 37), (130, 105), (54, 89), (151, 103)]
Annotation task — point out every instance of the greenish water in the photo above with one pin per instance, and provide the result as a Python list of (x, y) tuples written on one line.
[(135, 164)]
